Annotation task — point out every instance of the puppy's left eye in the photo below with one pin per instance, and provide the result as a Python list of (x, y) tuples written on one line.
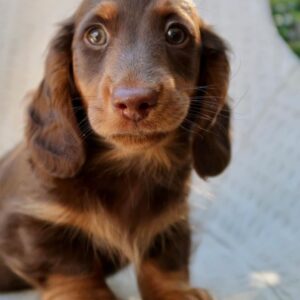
[(176, 35), (96, 36)]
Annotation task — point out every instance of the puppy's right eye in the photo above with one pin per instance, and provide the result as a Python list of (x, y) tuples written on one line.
[(96, 36), (176, 35)]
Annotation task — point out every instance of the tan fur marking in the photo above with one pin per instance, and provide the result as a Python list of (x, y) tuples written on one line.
[(185, 8), (76, 288), (169, 281), (108, 10), (156, 284)]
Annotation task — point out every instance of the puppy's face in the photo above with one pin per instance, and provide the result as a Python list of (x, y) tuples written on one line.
[(143, 69), (136, 64)]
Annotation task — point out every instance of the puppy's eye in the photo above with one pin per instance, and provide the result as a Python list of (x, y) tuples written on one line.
[(176, 35), (96, 36)]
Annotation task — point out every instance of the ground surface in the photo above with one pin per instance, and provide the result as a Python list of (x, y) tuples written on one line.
[(247, 221)]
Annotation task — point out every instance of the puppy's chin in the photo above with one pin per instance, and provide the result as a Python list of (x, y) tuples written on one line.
[(137, 142)]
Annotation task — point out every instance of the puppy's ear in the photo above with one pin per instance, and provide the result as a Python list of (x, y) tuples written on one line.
[(211, 140), (53, 136)]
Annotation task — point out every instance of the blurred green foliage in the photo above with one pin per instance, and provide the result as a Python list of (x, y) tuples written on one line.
[(287, 18)]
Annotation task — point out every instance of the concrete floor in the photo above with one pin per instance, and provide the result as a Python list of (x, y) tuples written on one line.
[(247, 221)]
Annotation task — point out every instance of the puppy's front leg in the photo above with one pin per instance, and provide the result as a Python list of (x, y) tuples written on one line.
[(60, 287), (163, 274)]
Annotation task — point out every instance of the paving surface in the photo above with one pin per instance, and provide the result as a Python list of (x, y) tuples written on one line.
[(246, 223)]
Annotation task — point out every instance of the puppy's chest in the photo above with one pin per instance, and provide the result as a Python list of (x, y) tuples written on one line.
[(128, 222), (117, 220), (110, 234)]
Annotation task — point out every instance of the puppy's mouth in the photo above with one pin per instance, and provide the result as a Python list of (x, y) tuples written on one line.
[(139, 139)]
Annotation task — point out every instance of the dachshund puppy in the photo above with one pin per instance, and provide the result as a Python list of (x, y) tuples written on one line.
[(133, 98)]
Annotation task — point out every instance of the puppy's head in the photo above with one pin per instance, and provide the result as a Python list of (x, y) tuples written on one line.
[(143, 70)]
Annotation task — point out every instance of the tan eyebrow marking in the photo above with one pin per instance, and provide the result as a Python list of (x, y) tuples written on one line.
[(107, 10), (183, 9)]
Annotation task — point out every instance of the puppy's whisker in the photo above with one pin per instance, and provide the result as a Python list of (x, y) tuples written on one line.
[(199, 130)]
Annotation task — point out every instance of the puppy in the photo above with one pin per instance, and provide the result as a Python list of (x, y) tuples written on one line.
[(133, 98)]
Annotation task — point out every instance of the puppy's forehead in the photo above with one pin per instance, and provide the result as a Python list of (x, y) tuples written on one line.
[(132, 6)]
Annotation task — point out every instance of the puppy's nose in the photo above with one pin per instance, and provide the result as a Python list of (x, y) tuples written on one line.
[(134, 103)]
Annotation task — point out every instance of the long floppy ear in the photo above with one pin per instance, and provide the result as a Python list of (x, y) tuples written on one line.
[(52, 133), (211, 140)]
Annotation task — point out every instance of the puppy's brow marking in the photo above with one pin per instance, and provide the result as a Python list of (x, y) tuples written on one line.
[(183, 10), (165, 6), (107, 10)]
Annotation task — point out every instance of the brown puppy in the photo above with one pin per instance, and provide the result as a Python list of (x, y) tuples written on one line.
[(134, 96)]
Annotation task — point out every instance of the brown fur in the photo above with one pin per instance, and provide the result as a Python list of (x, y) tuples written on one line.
[(89, 191)]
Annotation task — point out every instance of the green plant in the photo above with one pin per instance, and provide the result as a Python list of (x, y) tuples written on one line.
[(287, 18)]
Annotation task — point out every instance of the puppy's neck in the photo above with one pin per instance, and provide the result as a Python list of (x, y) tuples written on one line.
[(159, 158)]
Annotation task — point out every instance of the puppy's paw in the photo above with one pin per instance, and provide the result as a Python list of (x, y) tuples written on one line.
[(198, 294), (192, 294)]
